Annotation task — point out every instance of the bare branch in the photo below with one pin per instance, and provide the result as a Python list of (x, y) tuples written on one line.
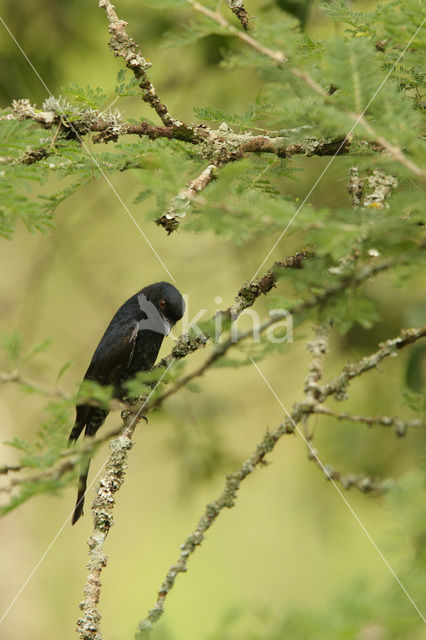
[(7, 468), (17, 378), (54, 473)]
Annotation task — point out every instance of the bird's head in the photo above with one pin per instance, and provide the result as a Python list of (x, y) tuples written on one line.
[(167, 301)]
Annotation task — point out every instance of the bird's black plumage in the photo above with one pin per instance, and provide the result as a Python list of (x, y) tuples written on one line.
[(130, 344)]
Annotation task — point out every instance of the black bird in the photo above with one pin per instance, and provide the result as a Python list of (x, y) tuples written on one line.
[(130, 344)]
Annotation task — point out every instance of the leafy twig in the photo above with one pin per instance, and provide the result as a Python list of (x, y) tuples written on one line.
[(279, 58)]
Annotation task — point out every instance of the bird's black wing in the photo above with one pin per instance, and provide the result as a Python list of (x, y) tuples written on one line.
[(110, 360), (114, 353), (112, 357)]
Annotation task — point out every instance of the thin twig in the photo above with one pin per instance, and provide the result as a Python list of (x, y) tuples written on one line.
[(401, 426), (337, 387)]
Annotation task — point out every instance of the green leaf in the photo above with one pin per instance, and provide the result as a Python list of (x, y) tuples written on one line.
[(87, 96), (91, 390), (12, 344), (63, 369), (126, 84)]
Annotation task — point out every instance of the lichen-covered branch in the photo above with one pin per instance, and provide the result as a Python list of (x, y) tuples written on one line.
[(102, 507), (355, 187), (360, 481), (318, 348), (221, 145), (337, 387), (123, 46), (185, 343), (380, 187), (102, 511)]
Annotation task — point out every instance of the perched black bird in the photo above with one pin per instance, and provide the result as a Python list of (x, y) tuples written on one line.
[(130, 344)]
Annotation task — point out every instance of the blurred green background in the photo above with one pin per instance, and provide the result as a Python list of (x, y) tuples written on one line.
[(290, 542)]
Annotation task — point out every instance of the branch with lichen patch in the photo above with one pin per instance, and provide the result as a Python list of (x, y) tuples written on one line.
[(178, 207), (237, 8)]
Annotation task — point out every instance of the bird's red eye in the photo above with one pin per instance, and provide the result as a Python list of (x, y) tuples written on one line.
[(162, 303)]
